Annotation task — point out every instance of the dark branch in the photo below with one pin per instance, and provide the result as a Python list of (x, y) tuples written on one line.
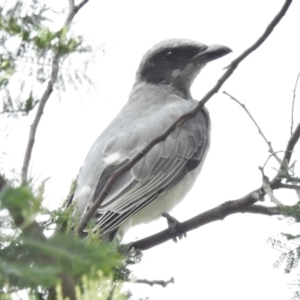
[(80, 5), (215, 214), (234, 64), (287, 156), (73, 10), (155, 282)]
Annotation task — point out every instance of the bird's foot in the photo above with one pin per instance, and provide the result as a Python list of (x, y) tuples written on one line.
[(173, 227)]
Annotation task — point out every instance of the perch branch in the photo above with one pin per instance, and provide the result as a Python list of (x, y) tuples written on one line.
[(215, 214)]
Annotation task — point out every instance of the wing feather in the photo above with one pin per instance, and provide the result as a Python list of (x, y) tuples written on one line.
[(159, 170)]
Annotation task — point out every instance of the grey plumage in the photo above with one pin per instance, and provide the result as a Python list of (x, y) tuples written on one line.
[(156, 183)]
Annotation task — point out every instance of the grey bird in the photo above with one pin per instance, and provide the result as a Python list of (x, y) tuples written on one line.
[(162, 178)]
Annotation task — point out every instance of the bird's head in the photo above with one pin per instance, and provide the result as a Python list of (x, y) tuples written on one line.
[(177, 62)]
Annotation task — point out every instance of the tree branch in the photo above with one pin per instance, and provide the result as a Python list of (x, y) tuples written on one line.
[(215, 214), (234, 64), (271, 150), (155, 282), (45, 97), (287, 156), (268, 190), (262, 210), (73, 10), (293, 102), (289, 186)]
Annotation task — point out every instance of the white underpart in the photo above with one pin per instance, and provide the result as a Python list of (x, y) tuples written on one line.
[(113, 158), (164, 203), (83, 194)]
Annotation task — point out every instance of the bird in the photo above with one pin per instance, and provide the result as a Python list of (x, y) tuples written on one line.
[(164, 175)]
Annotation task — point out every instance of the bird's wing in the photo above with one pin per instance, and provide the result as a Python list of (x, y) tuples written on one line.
[(159, 170)]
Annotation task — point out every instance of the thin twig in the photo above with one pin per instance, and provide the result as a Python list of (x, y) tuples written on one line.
[(271, 150), (293, 103), (234, 64), (46, 95), (155, 282), (270, 157)]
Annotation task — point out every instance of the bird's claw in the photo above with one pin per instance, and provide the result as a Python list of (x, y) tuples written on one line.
[(173, 227)]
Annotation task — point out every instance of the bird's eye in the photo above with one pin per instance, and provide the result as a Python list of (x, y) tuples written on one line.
[(171, 57)]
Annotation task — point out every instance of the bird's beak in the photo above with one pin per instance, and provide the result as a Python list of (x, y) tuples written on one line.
[(212, 52)]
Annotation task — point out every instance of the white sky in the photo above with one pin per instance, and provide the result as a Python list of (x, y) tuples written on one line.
[(226, 260)]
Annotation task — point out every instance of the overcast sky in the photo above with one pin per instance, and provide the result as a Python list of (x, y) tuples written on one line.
[(225, 260)]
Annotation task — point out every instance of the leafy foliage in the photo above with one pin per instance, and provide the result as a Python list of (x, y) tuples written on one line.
[(291, 259), (27, 49), (29, 259)]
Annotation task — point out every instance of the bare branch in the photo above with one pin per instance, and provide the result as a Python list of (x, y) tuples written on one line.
[(289, 186), (293, 103), (268, 190), (270, 157), (74, 9), (215, 214), (262, 210), (155, 282), (242, 205), (234, 64), (287, 156), (45, 97), (81, 4), (271, 150)]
